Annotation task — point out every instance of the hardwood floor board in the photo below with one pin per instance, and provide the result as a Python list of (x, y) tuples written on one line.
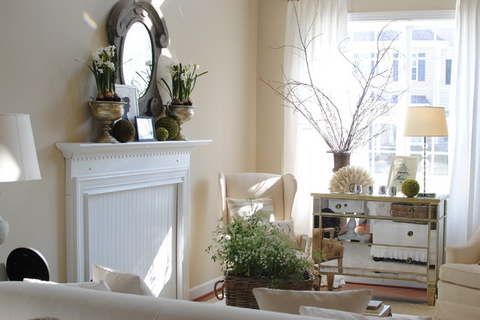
[(394, 293)]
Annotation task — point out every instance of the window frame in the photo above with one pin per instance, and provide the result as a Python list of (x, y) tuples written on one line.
[(385, 17)]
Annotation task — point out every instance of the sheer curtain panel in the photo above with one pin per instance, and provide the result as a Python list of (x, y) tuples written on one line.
[(464, 206), (322, 24)]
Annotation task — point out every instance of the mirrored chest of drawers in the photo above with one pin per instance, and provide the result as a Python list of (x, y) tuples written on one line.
[(384, 237)]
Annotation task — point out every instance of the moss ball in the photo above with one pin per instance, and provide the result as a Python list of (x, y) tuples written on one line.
[(123, 131), (162, 134), (170, 124), (410, 187)]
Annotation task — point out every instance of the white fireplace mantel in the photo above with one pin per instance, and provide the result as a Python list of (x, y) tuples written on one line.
[(127, 207)]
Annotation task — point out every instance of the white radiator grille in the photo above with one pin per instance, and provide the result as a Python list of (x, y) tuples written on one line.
[(134, 231)]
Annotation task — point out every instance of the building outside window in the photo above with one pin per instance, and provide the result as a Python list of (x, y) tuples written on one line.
[(424, 67)]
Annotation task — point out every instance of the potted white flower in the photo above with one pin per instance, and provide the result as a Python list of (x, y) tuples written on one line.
[(104, 67), (183, 81)]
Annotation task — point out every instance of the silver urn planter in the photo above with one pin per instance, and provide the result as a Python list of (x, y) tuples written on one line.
[(106, 112), (181, 113)]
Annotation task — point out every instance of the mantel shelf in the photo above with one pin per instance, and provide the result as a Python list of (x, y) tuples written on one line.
[(71, 150)]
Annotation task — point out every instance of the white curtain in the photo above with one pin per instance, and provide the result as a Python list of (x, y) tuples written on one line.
[(305, 153), (464, 205)]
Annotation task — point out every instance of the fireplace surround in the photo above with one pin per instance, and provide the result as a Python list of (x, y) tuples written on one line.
[(127, 208)]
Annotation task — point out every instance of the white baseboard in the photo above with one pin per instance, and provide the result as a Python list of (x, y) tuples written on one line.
[(203, 289)]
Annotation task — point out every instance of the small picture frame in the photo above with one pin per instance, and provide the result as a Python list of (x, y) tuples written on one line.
[(145, 128), (129, 96), (401, 169)]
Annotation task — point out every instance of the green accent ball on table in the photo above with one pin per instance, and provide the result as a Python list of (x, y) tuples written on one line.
[(410, 188)]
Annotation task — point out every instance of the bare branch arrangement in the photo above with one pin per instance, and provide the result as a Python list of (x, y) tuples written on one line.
[(378, 94)]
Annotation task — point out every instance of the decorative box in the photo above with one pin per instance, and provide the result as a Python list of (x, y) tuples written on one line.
[(414, 211)]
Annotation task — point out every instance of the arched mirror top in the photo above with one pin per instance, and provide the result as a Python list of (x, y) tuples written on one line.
[(124, 16)]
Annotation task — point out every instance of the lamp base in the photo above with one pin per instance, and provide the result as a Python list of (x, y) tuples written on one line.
[(427, 195)]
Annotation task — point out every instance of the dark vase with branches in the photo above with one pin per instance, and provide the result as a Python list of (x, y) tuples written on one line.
[(378, 94)]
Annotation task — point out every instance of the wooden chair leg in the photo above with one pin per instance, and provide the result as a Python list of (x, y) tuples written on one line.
[(317, 283), (330, 280)]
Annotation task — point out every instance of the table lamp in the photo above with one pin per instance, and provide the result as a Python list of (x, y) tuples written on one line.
[(18, 156), (425, 122)]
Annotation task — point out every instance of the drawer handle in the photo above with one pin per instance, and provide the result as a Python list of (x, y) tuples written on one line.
[(410, 233), (409, 260), (410, 210), (338, 206)]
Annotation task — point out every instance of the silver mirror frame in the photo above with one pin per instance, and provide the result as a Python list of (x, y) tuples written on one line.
[(122, 16)]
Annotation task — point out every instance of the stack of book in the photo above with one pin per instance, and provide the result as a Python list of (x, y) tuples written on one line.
[(378, 308)]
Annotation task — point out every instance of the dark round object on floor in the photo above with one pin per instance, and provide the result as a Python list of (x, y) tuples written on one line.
[(27, 263)]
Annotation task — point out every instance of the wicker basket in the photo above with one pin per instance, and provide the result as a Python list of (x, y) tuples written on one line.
[(413, 211), (238, 291)]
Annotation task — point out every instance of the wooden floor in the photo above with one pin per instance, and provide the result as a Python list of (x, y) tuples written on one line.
[(396, 293)]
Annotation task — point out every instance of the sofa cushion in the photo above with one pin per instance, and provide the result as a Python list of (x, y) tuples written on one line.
[(289, 301), (344, 315), (100, 285), (120, 281), (467, 275)]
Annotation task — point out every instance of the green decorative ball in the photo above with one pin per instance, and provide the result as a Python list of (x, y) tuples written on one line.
[(410, 187), (170, 124), (162, 134), (123, 131)]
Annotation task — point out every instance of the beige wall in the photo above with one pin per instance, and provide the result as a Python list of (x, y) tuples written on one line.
[(39, 75)]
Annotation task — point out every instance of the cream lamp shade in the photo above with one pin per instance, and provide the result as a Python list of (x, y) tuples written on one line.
[(425, 122), (18, 156)]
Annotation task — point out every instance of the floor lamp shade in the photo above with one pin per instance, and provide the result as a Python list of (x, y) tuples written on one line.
[(18, 156), (426, 122)]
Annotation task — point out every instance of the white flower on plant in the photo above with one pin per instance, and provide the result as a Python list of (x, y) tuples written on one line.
[(103, 69), (183, 80)]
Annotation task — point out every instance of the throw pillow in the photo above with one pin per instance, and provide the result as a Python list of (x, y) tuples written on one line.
[(100, 285), (120, 281), (286, 227), (289, 301), (246, 207), (343, 315)]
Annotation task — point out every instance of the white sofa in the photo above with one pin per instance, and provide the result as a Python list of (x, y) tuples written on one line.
[(40, 301), (459, 284), (22, 301)]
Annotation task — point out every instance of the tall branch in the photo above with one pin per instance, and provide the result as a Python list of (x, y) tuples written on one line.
[(377, 94)]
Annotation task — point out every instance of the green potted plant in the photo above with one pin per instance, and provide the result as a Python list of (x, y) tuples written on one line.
[(254, 253)]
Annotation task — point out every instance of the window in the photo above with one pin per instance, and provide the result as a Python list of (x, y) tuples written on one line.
[(448, 71), (423, 65)]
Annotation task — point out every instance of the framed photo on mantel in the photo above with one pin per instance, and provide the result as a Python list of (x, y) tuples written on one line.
[(401, 169), (129, 96), (145, 129)]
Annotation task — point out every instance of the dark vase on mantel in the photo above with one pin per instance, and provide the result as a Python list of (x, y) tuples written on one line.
[(340, 160)]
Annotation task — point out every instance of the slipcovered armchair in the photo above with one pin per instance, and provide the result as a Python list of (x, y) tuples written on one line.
[(274, 193), (459, 284)]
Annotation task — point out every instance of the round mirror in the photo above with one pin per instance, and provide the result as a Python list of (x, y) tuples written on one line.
[(137, 58), (138, 30)]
